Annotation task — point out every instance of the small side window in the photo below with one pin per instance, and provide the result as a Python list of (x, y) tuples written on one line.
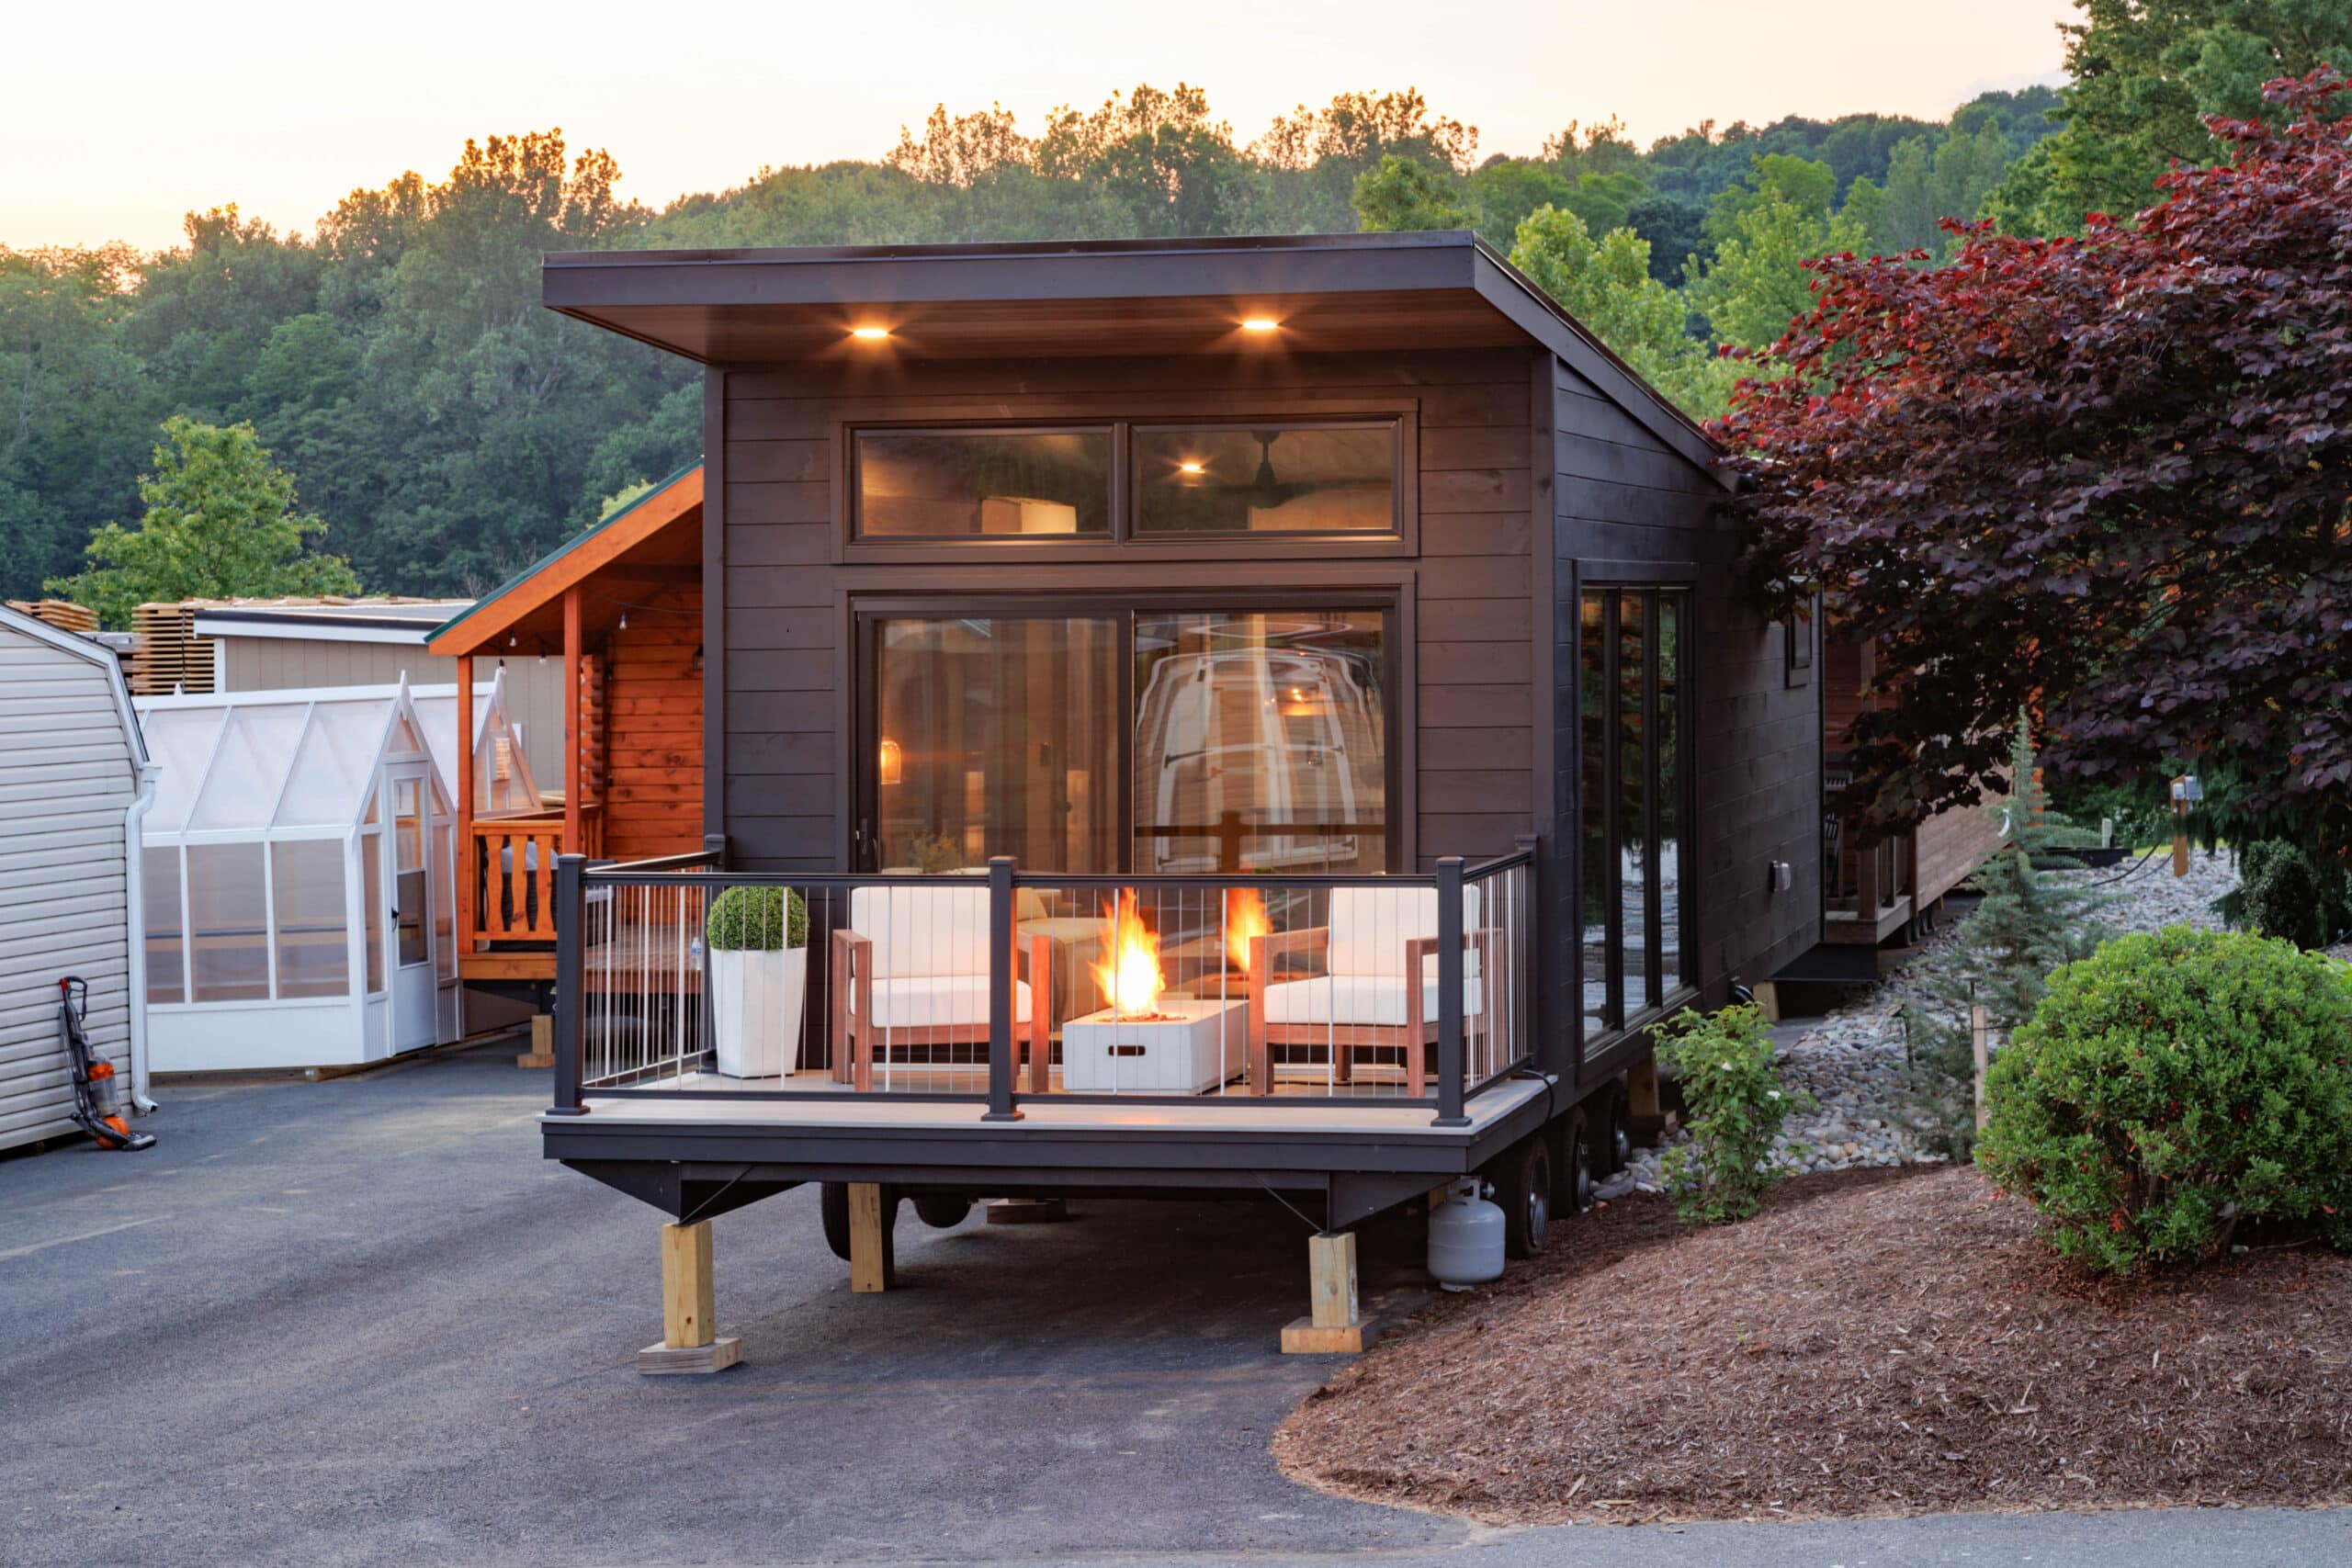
[(1336, 479), (969, 484)]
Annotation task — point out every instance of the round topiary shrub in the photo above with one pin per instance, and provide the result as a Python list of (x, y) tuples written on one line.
[(758, 918), (2170, 1087)]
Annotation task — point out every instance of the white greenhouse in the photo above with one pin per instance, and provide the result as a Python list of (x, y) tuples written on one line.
[(298, 866)]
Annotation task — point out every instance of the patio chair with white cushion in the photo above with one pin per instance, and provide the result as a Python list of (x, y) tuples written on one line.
[(911, 970), (1379, 952)]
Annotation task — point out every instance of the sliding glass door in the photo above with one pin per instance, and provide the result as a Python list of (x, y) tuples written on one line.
[(1261, 741), (995, 734), (1633, 786), (1246, 738)]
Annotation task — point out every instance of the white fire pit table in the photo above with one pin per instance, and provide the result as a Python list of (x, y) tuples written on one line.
[(1185, 1046)]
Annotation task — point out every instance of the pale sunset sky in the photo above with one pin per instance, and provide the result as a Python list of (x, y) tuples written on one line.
[(117, 120)]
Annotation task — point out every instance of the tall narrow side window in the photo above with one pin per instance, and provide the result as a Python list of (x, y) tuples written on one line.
[(1633, 809)]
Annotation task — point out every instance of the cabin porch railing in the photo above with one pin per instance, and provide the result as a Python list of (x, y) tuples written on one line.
[(1409, 989), (509, 862)]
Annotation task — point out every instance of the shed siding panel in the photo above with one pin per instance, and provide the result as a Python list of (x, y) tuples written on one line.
[(67, 777)]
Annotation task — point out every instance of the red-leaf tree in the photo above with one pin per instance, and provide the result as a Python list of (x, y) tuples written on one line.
[(2105, 479)]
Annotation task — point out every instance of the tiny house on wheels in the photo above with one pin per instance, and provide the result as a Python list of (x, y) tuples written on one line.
[(1146, 718)]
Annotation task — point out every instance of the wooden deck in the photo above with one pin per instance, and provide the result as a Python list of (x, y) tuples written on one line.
[(1279, 1116)]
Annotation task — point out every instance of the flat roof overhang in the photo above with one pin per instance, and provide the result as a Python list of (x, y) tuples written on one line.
[(1330, 294)]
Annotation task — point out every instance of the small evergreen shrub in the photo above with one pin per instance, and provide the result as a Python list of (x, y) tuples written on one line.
[(757, 919), (2172, 1085), (2029, 923), (2282, 892), (1731, 1086)]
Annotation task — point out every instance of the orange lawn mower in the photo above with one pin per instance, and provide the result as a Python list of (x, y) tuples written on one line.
[(97, 1097)]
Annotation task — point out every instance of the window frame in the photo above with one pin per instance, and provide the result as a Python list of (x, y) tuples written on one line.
[(1124, 542), (867, 612), (1114, 450), (1128, 523), (1621, 1016)]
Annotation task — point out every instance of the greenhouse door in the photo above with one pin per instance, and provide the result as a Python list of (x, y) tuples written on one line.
[(412, 890)]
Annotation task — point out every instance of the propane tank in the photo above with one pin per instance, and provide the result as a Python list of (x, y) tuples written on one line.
[(1466, 1237)]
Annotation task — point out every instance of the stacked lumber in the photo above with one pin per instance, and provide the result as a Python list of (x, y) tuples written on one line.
[(64, 614), (167, 656)]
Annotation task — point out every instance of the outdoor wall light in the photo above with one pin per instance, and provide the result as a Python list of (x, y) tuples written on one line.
[(1260, 324), (869, 332), (1193, 466), (891, 768)]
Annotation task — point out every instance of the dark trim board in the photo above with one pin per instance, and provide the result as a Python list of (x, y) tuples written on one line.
[(673, 1163)]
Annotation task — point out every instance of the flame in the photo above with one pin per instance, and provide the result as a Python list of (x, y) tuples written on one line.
[(1130, 978), (1245, 917)]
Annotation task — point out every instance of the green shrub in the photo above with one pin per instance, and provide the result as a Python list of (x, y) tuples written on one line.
[(2173, 1085), (2282, 892), (1731, 1087), (757, 919)]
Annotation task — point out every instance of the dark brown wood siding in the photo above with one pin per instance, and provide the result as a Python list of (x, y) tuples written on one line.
[(1467, 720), (1626, 508)]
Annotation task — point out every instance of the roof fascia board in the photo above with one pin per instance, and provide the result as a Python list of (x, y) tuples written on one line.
[(313, 629), (1532, 312), (593, 281), (570, 563)]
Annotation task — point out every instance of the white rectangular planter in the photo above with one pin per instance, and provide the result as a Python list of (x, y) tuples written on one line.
[(1197, 1047), (756, 1007)]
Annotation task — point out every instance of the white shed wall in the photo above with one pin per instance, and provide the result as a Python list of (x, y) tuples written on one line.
[(67, 776)]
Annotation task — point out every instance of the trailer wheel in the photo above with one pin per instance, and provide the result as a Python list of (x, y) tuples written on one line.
[(941, 1211), (1612, 1143), (832, 1206), (1523, 1188), (1577, 1152)]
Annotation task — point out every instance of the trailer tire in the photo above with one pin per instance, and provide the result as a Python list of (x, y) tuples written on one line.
[(941, 1211), (1612, 1143), (1523, 1187), (832, 1207), (1576, 1161)]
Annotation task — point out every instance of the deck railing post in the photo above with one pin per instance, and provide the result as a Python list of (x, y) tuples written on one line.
[(571, 1016), (1449, 993), (1000, 911)]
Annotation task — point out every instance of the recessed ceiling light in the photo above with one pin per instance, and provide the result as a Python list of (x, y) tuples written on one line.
[(869, 332), (1260, 324)]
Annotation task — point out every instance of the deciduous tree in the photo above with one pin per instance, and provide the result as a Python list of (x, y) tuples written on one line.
[(220, 524), (2109, 479)]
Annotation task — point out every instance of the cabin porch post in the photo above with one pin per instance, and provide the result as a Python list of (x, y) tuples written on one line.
[(573, 844), (462, 934), (689, 1342)]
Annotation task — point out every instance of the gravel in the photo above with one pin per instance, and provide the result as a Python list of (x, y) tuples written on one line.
[(1851, 1060)]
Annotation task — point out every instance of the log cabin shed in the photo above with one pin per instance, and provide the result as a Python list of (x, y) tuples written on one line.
[(1242, 716)]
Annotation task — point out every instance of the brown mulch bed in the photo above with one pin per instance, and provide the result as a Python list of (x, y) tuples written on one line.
[(1872, 1343)]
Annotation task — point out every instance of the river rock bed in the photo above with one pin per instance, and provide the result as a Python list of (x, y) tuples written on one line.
[(1851, 1059)]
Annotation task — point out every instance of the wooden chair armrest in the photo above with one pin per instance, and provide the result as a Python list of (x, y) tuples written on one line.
[(1285, 943)]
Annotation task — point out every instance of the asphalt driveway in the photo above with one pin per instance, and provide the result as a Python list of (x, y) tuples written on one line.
[(361, 1321)]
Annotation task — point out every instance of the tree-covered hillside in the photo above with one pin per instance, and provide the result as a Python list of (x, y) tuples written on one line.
[(394, 359)]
